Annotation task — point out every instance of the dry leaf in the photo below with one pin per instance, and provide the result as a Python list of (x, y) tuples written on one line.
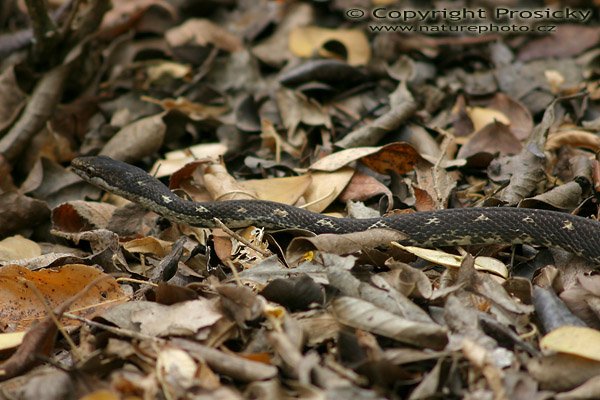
[(487, 264), (148, 245), (282, 190), (17, 248), (575, 340), (56, 286), (484, 116), (202, 32), (325, 187), (363, 315), (307, 41), (175, 160), (136, 140), (397, 157), (154, 319)]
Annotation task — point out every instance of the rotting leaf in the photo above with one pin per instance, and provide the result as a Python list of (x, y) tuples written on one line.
[(240, 303), (402, 104), (529, 170)]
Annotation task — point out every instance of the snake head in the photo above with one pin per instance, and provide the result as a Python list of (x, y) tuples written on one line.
[(97, 170)]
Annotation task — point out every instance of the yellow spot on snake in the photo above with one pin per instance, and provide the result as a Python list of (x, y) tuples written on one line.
[(242, 210), (529, 220), (280, 213), (433, 220), (167, 199), (326, 222), (378, 224), (201, 209), (568, 225), (482, 217)]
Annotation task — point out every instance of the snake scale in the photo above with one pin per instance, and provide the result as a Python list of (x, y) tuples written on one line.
[(449, 227)]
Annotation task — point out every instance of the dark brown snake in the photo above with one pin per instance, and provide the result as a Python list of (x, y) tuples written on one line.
[(450, 227)]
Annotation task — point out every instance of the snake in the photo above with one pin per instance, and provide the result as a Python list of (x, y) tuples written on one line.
[(439, 228)]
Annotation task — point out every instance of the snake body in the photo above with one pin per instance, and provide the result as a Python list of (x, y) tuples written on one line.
[(449, 227)]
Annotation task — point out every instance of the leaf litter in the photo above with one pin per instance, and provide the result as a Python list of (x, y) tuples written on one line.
[(298, 103)]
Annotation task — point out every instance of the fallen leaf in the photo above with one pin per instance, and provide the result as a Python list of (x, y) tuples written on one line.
[(486, 264), (56, 286), (17, 247), (202, 32), (575, 340), (325, 187), (154, 319), (308, 40)]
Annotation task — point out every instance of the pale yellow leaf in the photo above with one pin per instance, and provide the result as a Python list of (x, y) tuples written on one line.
[(17, 248), (282, 190), (326, 187), (483, 116), (11, 340), (484, 264), (177, 159), (148, 245), (157, 70), (306, 41), (576, 340)]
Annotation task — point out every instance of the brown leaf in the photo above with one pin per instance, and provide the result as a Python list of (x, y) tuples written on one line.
[(494, 137), (136, 140), (56, 286), (154, 319), (297, 293), (325, 187), (240, 303), (363, 315), (394, 157), (77, 216), (363, 187), (12, 100), (568, 40), (17, 247), (286, 190), (574, 138), (342, 244), (18, 212), (202, 32)]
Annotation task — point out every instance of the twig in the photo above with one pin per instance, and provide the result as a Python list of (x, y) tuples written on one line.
[(240, 238), (31, 286), (38, 111)]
